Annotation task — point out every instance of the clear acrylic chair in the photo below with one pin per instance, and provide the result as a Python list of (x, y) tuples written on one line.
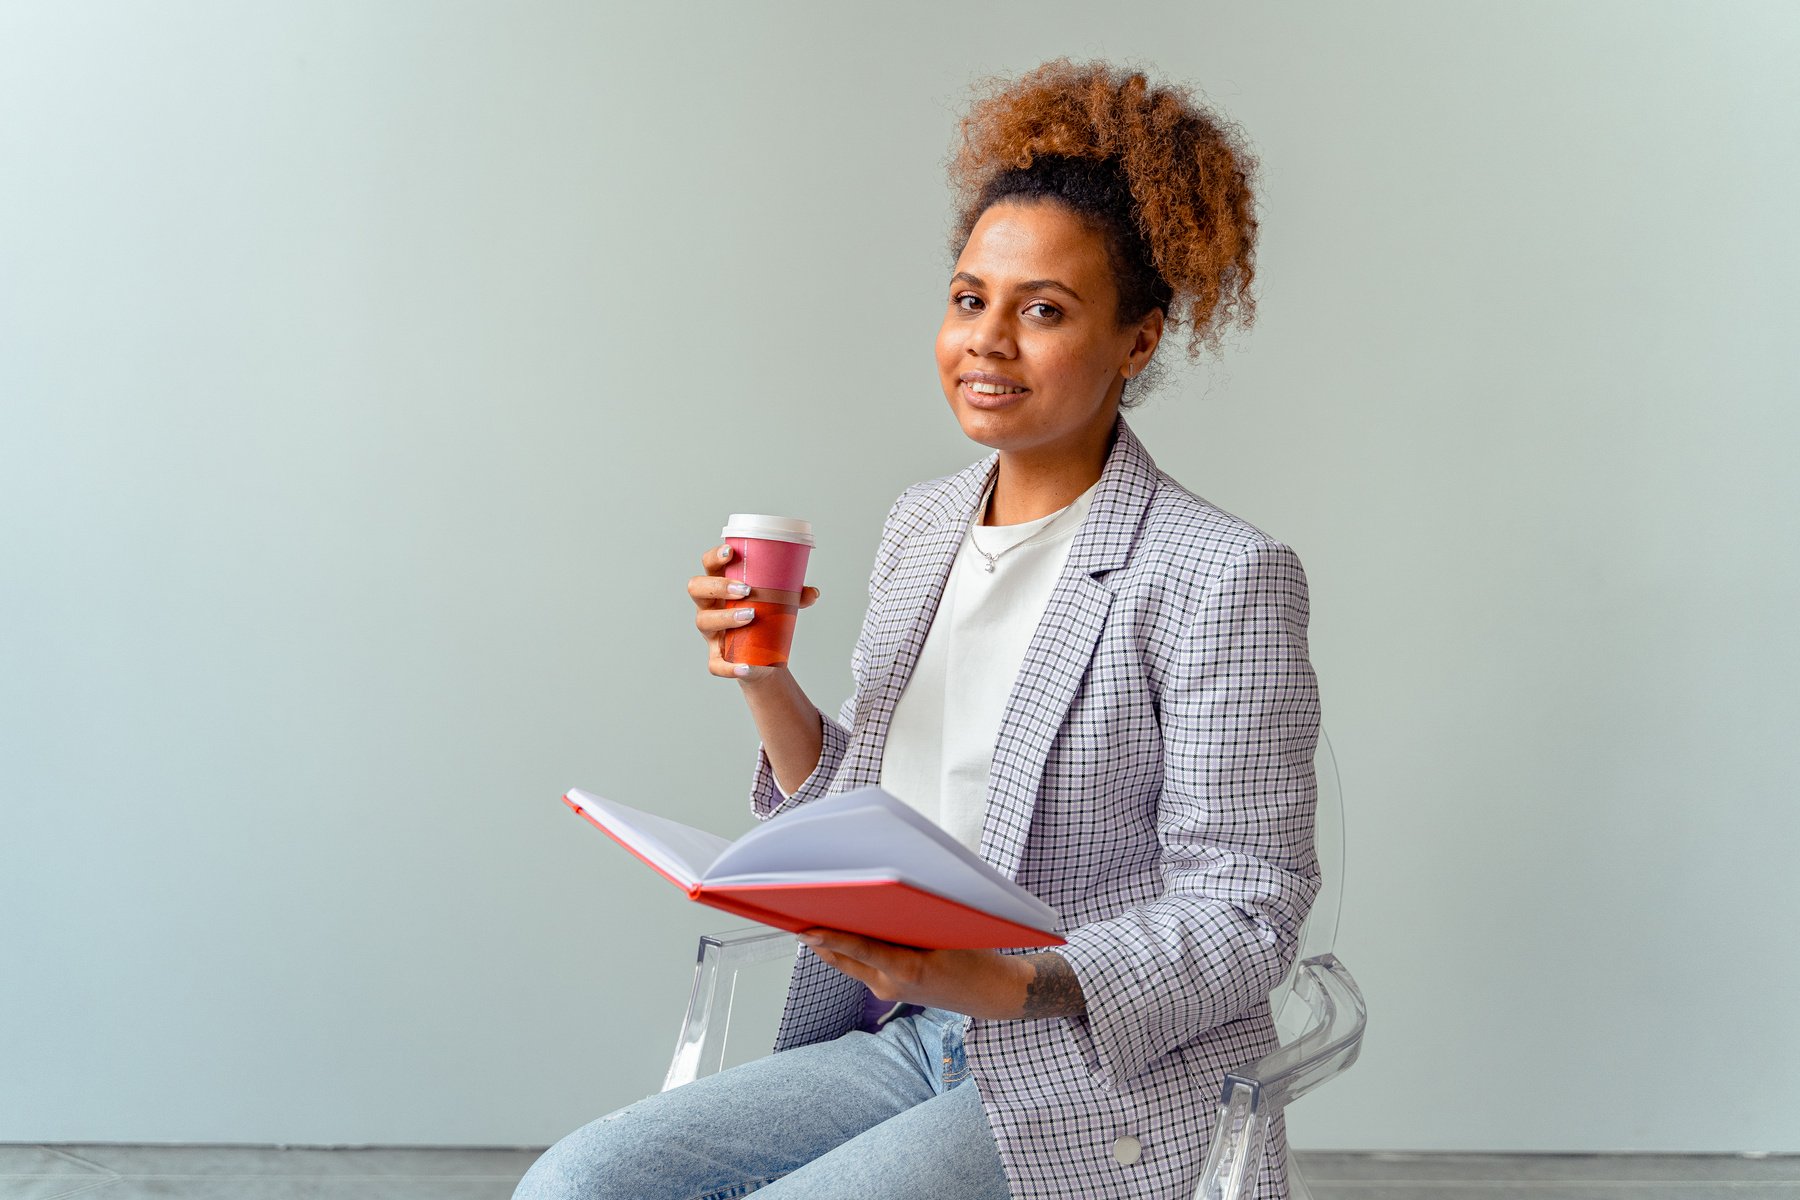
[(1319, 1015)]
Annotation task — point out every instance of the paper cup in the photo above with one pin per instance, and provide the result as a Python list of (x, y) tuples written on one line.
[(769, 554)]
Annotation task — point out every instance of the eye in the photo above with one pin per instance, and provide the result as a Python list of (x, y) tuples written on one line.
[(958, 300), (1052, 312)]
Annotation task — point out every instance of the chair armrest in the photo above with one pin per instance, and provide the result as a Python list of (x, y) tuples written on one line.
[(700, 1046), (1328, 1042)]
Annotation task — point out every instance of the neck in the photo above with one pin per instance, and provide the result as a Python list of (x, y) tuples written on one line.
[(1035, 483)]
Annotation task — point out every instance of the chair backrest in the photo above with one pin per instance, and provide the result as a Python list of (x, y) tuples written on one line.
[(1319, 934)]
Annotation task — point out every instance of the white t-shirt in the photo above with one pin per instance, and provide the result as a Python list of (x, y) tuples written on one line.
[(940, 744)]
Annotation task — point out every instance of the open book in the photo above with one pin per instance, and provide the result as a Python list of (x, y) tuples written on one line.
[(860, 861)]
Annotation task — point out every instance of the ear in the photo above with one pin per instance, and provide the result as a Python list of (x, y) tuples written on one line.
[(1144, 341), (1149, 334)]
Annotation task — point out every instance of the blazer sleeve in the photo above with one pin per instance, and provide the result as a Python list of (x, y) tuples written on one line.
[(766, 797), (1240, 720)]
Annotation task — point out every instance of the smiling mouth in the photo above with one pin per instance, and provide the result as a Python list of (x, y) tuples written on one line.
[(990, 395)]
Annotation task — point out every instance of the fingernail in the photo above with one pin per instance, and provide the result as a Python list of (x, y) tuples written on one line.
[(811, 939), (724, 552), (743, 614), (740, 590), (741, 670)]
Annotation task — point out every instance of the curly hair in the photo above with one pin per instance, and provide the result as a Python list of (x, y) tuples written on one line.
[(1168, 183)]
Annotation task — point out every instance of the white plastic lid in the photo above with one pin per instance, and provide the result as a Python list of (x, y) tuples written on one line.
[(775, 529)]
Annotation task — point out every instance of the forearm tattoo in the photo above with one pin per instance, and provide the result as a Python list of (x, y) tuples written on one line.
[(1053, 991)]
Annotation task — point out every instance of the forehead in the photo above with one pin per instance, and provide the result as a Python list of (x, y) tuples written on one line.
[(1040, 239)]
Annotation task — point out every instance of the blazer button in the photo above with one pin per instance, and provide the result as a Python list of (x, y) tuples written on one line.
[(1126, 1149)]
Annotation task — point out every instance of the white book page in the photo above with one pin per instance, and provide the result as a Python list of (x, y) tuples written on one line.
[(681, 850), (803, 877), (866, 832)]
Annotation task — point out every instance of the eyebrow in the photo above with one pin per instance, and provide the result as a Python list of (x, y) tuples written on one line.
[(1030, 285)]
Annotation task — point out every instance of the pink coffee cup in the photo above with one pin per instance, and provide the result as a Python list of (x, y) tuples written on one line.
[(769, 554)]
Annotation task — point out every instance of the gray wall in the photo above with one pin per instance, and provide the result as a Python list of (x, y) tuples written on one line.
[(373, 375)]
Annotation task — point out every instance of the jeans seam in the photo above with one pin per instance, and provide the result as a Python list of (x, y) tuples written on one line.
[(732, 1191)]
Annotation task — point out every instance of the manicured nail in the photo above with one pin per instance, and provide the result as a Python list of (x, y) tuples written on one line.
[(743, 614), (741, 670), (725, 553), (740, 590)]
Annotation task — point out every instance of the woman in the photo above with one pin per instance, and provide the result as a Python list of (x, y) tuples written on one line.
[(1090, 675)]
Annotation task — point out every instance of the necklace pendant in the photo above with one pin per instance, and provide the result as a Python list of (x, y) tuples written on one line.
[(989, 568)]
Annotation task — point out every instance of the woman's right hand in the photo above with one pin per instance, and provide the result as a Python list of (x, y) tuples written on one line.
[(721, 609)]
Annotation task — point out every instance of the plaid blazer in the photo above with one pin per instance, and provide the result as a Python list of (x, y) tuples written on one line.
[(1152, 782)]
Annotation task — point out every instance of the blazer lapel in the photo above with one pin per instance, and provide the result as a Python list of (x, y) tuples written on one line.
[(1061, 650), (913, 592)]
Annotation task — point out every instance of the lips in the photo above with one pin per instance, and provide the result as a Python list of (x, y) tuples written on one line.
[(989, 400)]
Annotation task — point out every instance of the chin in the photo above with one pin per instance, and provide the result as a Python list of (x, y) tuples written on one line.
[(995, 430)]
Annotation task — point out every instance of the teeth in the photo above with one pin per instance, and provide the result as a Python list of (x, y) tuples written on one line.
[(994, 389)]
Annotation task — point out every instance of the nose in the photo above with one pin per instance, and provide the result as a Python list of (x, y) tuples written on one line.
[(992, 335)]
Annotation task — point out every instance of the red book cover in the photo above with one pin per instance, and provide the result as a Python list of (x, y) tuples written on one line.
[(888, 909)]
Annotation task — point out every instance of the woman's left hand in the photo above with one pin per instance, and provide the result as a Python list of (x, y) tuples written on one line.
[(978, 983)]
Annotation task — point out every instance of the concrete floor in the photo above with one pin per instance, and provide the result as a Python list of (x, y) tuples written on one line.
[(1551, 1176), (267, 1173)]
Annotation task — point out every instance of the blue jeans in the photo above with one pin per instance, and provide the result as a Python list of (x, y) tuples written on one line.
[(886, 1114), (892, 1114)]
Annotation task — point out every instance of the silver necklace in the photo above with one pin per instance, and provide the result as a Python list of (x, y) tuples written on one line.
[(981, 509)]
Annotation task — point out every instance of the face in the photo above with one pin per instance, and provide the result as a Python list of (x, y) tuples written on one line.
[(1033, 310)]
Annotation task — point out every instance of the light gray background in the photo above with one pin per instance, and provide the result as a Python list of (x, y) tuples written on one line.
[(373, 375)]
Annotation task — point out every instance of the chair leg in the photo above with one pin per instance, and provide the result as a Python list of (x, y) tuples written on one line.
[(1297, 1189)]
